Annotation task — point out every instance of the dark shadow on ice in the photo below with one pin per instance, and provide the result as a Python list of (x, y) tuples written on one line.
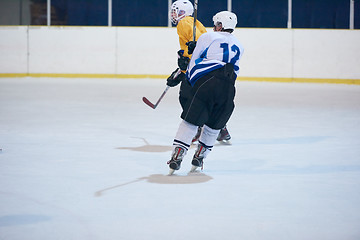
[(148, 147), (162, 148), (190, 178)]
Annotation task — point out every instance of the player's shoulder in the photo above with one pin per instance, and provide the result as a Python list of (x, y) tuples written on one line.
[(188, 20), (211, 35)]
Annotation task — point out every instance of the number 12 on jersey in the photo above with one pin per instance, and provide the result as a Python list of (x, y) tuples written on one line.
[(234, 49)]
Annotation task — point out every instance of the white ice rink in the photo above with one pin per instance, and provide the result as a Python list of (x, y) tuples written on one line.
[(85, 159)]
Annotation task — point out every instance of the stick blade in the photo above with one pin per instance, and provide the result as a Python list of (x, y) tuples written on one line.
[(147, 102)]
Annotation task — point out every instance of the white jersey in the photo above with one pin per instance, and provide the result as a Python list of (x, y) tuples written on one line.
[(213, 50)]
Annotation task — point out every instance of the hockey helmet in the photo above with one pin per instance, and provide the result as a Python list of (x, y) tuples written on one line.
[(180, 9), (227, 19)]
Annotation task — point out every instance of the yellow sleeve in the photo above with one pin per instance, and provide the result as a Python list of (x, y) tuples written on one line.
[(185, 32)]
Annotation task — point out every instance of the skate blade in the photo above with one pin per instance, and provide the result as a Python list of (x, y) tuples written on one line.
[(224, 142), (193, 168), (171, 172)]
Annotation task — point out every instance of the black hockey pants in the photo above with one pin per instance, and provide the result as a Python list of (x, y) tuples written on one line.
[(211, 99)]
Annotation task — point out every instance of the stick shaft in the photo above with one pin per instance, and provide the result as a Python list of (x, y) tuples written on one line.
[(150, 104), (162, 95), (195, 18)]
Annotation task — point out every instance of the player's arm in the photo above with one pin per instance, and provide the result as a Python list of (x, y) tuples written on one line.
[(175, 78), (200, 29), (184, 30), (200, 48), (183, 59)]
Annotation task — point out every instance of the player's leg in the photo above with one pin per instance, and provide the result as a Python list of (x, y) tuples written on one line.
[(206, 143), (181, 144), (184, 95), (197, 135), (224, 135)]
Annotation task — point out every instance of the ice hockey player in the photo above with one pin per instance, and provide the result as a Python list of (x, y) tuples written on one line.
[(211, 73), (181, 16)]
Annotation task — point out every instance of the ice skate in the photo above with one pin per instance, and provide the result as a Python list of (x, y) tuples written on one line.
[(197, 135), (176, 159), (224, 136), (198, 159)]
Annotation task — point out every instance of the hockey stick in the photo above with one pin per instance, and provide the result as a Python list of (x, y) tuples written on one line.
[(195, 18), (153, 106), (147, 101), (150, 104)]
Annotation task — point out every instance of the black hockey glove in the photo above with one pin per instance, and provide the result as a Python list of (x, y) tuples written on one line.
[(183, 62), (174, 80), (191, 46)]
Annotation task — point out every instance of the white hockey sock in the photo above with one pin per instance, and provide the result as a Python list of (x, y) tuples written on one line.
[(208, 136), (185, 134)]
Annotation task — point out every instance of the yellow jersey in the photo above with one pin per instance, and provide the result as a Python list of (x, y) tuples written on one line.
[(185, 32)]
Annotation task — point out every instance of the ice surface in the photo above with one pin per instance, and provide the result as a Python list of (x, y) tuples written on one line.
[(85, 159)]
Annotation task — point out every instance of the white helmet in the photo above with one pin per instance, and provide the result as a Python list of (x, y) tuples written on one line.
[(180, 9), (226, 18)]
